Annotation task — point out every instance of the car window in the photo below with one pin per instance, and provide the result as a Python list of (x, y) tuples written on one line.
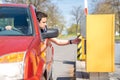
[(16, 17)]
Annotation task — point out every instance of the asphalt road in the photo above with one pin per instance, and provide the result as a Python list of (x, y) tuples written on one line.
[(64, 62)]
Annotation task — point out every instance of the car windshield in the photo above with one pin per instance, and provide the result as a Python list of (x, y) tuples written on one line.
[(15, 21)]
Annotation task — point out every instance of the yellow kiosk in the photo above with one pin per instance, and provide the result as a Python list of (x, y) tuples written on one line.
[(100, 43)]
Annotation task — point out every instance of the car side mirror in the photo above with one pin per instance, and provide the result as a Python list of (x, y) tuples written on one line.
[(50, 33)]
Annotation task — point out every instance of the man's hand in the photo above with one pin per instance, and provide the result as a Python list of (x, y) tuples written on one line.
[(75, 41), (8, 27)]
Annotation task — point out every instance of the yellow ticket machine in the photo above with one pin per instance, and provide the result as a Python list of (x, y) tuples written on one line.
[(100, 43)]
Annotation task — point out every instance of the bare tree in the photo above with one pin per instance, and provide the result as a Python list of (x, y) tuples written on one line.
[(109, 7), (104, 7), (55, 18), (117, 12), (78, 14)]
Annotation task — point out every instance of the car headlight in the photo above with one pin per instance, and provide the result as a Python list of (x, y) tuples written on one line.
[(12, 57), (12, 66)]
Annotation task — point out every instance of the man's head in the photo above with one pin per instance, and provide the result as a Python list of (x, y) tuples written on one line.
[(42, 19)]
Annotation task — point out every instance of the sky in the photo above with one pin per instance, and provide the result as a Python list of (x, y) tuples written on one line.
[(65, 7)]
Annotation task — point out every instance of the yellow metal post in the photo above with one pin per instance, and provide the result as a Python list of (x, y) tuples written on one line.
[(82, 57), (80, 48)]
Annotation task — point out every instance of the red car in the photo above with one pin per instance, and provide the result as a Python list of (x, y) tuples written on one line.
[(21, 54)]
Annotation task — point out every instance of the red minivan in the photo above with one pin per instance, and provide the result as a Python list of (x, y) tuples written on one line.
[(21, 54)]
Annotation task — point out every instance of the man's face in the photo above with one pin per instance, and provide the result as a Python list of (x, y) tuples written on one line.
[(43, 23)]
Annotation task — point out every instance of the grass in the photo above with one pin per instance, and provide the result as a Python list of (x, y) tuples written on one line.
[(67, 36), (117, 38)]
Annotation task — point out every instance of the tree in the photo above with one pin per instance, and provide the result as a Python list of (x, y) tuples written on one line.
[(55, 19), (72, 29), (109, 7), (104, 7), (117, 12), (78, 14)]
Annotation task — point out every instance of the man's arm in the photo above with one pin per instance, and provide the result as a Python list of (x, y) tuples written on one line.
[(64, 42)]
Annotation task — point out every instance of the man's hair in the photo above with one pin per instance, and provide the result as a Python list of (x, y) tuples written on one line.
[(40, 15)]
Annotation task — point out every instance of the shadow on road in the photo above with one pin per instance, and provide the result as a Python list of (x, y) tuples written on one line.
[(83, 75), (69, 62), (66, 78)]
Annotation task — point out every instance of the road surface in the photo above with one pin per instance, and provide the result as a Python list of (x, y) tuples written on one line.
[(64, 62)]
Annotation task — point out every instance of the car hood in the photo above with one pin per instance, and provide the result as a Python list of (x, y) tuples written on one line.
[(14, 44)]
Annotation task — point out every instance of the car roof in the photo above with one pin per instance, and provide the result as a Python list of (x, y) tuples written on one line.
[(14, 5)]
